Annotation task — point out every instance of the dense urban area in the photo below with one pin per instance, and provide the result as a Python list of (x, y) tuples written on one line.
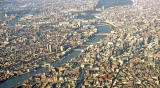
[(36, 34)]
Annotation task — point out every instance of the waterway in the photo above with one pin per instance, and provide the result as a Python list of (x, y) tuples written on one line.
[(21, 14), (111, 3), (18, 14), (73, 54)]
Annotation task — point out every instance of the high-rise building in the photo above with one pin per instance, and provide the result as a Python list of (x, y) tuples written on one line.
[(62, 48), (50, 48)]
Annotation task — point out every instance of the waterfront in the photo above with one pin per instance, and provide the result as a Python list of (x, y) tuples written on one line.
[(73, 54), (111, 3)]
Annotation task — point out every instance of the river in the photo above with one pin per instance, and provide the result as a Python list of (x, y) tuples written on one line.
[(13, 81), (111, 3), (21, 14)]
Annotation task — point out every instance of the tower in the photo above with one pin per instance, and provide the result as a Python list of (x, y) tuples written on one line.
[(62, 48), (50, 48)]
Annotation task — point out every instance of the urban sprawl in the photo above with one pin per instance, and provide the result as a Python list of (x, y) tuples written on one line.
[(128, 56)]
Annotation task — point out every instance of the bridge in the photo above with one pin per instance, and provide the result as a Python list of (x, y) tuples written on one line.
[(85, 45), (102, 34), (78, 50), (46, 65), (111, 23)]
